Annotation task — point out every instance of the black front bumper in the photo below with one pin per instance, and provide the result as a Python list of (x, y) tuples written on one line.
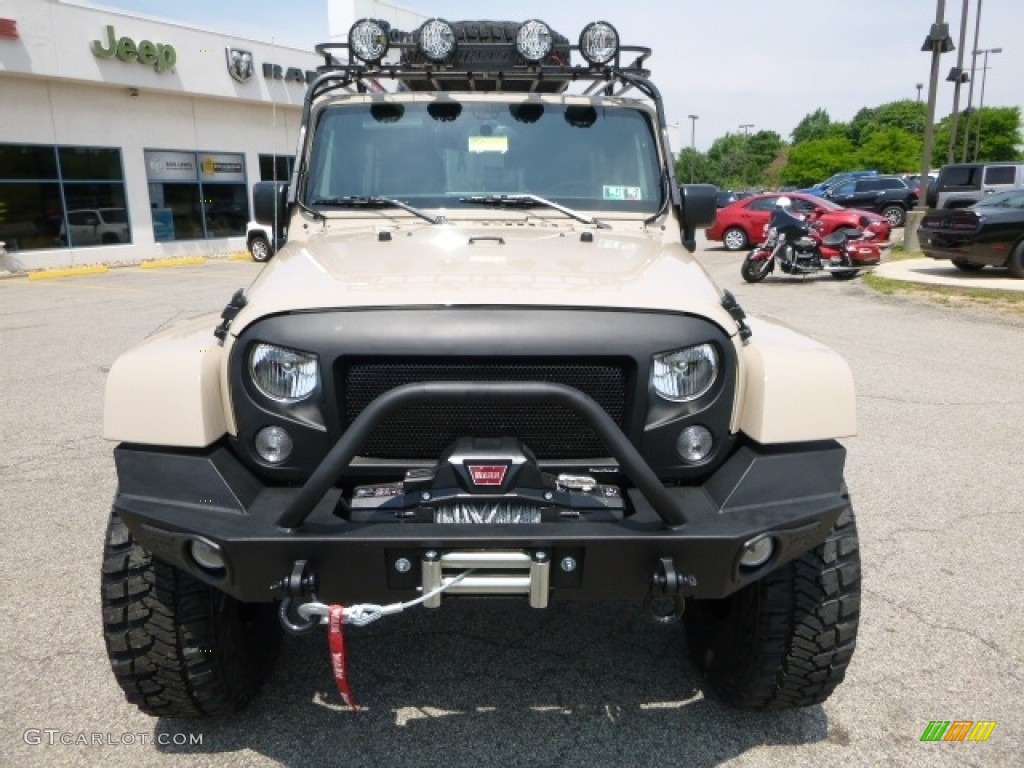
[(171, 497)]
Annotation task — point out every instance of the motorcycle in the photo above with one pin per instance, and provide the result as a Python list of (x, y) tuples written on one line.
[(800, 249)]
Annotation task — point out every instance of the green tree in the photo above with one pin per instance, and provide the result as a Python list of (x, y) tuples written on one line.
[(1000, 136), (817, 125), (815, 160), (891, 150)]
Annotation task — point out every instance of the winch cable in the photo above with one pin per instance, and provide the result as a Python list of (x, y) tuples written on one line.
[(336, 616)]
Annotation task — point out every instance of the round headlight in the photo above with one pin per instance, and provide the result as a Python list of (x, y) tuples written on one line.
[(437, 39), (273, 444), (368, 40), (534, 40), (283, 374), (599, 42), (694, 443), (685, 374)]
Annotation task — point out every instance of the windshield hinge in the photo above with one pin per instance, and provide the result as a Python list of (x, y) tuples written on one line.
[(238, 301), (730, 305)]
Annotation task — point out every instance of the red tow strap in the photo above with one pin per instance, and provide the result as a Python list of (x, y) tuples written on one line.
[(336, 643)]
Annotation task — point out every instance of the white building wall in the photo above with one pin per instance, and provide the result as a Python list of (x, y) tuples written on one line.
[(54, 90)]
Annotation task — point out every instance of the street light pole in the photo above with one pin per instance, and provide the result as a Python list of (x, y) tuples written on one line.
[(693, 144), (981, 100), (921, 85), (937, 43), (957, 77), (746, 137), (970, 91)]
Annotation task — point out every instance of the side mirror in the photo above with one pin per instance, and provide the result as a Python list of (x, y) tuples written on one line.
[(699, 208), (270, 206)]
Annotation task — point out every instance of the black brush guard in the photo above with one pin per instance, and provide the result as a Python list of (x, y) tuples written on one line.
[(171, 498)]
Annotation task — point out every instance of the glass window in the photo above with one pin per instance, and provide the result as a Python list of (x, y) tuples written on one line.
[(90, 163), (846, 188), (52, 197), (197, 195), (276, 167), (31, 215), (960, 176), (20, 161), (1000, 174), (763, 204)]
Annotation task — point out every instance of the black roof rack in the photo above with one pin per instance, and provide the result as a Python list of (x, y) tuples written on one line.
[(492, 65)]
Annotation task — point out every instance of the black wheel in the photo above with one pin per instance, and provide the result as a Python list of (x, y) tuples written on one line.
[(260, 249), (178, 647), (786, 640), (846, 274), (734, 239), (1016, 261), (967, 266), (754, 271), (896, 214)]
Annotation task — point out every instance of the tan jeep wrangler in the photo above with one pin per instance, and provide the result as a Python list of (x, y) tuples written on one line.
[(484, 363)]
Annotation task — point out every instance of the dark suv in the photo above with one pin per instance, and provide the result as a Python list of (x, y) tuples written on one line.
[(887, 195)]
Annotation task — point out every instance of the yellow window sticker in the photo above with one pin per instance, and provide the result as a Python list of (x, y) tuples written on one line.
[(488, 144)]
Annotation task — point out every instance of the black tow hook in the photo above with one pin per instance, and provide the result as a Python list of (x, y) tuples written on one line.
[(299, 585), (665, 601)]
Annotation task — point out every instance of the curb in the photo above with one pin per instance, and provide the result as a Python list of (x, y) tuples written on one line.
[(160, 263), (46, 274)]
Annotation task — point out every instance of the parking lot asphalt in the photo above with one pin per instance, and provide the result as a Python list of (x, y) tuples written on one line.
[(475, 683)]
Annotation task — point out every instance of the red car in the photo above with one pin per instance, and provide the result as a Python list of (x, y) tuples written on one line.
[(741, 224)]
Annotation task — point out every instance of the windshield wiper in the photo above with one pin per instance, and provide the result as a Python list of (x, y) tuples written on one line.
[(375, 201), (527, 201)]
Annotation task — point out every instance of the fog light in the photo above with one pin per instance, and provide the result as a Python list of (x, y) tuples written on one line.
[(437, 39), (757, 552), (694, 443), (273, 444), (207, 554)]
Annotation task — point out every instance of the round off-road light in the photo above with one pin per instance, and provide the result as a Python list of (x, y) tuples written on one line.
[(757, 552), (599, 42), (206, 554), (368, 40), (273, 444), (534, 40), (694, 443), (437, 39)]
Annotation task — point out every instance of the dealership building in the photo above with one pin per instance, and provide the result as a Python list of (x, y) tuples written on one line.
[(125, 138)]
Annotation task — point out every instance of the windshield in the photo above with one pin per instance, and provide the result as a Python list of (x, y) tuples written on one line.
[(434, 154)]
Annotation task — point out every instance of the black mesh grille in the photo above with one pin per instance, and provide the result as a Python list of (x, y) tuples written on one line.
[(424, 431)]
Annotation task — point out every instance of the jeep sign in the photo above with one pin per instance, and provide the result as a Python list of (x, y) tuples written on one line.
[(161, 57)]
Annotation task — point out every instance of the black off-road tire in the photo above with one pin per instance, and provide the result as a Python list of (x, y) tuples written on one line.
[(178, 647), (786, 640)]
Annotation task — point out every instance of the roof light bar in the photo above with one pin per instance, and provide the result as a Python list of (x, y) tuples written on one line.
[(436, 39), (599, 42), (368, 40), (534, 40)]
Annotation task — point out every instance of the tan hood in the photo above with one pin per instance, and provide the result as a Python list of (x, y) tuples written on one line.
[(483, 264)]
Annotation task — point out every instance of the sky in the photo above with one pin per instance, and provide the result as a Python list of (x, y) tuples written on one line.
[(765, 63)]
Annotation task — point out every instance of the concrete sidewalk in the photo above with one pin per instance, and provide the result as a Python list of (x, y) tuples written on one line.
[(942, 272)]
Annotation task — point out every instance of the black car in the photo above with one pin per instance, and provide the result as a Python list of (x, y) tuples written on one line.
[(989, 233), (887, 195), (725, 197)]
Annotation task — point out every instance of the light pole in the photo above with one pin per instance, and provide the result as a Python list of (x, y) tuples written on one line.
[(981, 100), (693, 144), (970, 91), (957, 76), (937, 43), (919, 87), (746, 138)]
